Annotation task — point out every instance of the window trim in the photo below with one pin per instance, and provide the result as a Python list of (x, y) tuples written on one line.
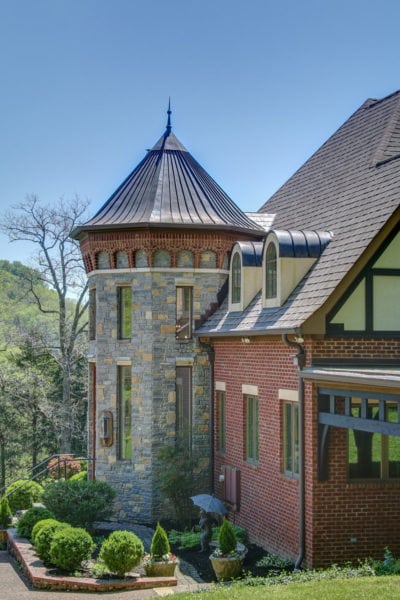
[(271, 272), (236, 278), (189, 319), (294, 472), (221, 420), (183, 408)]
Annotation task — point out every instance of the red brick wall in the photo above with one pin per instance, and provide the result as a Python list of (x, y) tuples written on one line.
[(344, 520), (352, 520), (269, 500)]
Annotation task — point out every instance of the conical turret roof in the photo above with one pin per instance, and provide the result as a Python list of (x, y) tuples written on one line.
[(169, 188)]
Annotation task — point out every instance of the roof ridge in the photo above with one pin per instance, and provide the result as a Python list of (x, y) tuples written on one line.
[(380, 155), (374, 101)]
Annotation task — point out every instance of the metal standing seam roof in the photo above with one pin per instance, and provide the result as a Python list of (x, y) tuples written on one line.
[(350, 187), (170, 188)]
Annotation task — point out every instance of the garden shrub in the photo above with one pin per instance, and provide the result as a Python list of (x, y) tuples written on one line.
[(226, 537), (121, 551), (5, 513), (81, 476), (44, 537), (177, 481), (70, 547), (159, 543), (80, 503), (39, 526), (30, 518), (26, 493)]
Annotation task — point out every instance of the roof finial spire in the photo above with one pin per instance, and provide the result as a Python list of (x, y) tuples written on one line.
[(169, 127)]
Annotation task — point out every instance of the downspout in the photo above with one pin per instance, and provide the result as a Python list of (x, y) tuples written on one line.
[(211, 355), (300, 359)]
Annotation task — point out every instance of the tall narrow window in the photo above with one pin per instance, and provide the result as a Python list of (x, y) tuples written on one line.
[(236, 279), (92, 419), (92, 314), (124, 300), (291, 438), (221, 420), (251, 404), (184, 313), (124, 412), (184, 404), (271, 273)]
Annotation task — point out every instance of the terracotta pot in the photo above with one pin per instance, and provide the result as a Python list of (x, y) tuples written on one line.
[(160, 569), (226, 568)]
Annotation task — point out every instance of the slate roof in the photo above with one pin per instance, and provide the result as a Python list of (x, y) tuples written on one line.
[(350, 187), (170, 188)]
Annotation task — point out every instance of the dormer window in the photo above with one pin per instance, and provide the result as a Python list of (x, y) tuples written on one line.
[(236, 290), (288, 256), (271, 286), (245, 274)]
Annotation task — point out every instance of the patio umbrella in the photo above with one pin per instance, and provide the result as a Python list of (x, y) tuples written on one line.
[(209, 503)]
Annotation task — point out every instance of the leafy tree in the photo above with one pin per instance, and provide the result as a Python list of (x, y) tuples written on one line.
[(58, 267)]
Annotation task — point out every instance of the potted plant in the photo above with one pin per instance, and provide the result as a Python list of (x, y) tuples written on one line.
[(160, 562), (227, 558), (5, 519)]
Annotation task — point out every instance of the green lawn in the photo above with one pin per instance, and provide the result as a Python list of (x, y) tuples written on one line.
[(368, 588)]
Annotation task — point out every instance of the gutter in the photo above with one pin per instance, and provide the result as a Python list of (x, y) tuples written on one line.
[(300, 359)]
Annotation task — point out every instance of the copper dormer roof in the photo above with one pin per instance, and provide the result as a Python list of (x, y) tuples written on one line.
[(169, 188)]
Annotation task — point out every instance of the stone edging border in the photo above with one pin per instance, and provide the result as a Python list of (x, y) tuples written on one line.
[(22, 550)]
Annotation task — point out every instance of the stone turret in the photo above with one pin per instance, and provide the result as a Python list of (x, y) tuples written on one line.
[(157, 257)]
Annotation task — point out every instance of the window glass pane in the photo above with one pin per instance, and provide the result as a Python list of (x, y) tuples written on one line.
[(184, 404), (124, 312), (394, 456), (364, 454), (183, 313), (125, 412), (271, 271), (221, 421), (92, 314), (296, 438), (236, 278), (251, 428)]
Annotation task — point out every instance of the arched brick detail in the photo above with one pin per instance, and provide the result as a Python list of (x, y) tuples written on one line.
[(150, 240)]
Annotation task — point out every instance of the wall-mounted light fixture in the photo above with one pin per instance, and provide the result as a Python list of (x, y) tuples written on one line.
[(246, 340), (106, 428)]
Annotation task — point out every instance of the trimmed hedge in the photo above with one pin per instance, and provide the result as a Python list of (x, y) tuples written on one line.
[(44, 538), (80, 503), (70, 547), (121, 551), (30, 518), (26, 493)]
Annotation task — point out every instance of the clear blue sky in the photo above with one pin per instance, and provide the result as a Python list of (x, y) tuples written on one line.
[(256, 87)]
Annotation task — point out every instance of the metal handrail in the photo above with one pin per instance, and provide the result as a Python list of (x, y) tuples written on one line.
[(33, 473)]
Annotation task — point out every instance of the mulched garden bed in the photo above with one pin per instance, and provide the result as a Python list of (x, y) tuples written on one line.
[(201, 562)]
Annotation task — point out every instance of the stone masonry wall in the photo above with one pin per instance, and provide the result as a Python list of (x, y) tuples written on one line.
[(153, 353)]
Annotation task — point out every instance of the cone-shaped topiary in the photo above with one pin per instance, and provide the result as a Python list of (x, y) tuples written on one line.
[(160, 543), (121, 551), (5, 513), (226, 538)]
